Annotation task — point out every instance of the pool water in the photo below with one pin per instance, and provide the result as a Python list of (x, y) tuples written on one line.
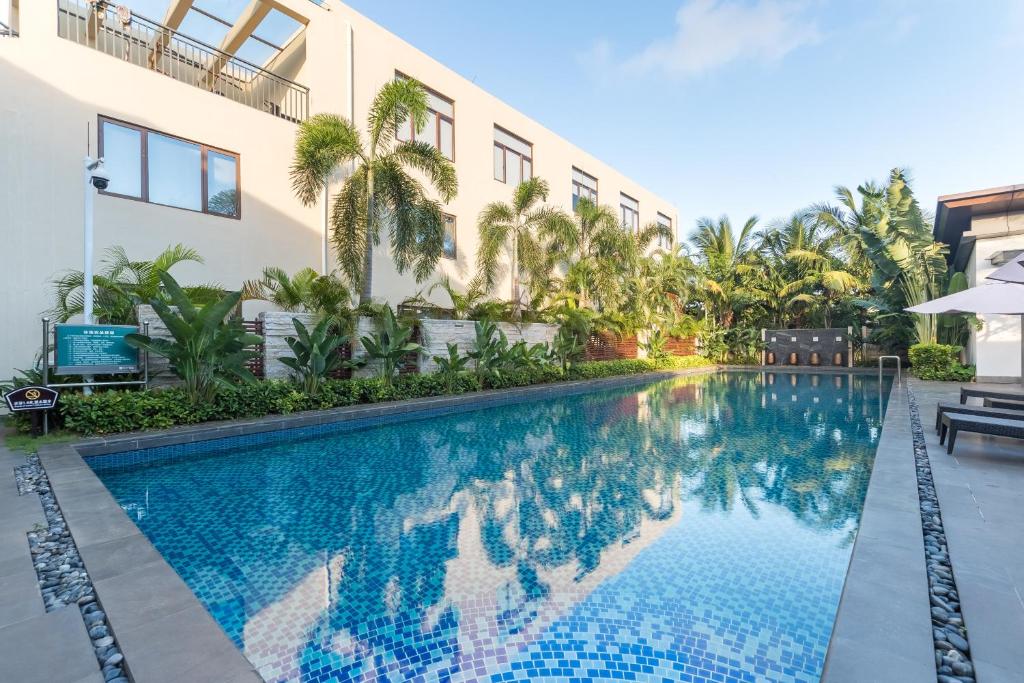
[(693, 529)]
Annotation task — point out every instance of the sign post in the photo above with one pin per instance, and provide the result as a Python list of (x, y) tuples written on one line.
[(88, 350)]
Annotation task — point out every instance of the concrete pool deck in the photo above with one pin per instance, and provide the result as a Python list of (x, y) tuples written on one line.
[(882, 631), (981, 494)]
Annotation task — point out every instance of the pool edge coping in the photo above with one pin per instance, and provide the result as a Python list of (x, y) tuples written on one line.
[(100, 527), (883, 621)]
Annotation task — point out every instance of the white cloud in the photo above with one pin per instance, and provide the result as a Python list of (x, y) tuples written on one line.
[(712, 33)]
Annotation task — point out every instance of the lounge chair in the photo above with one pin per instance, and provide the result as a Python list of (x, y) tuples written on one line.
[(954, 423), (968, 392), (1003, 403), (1016, 413)]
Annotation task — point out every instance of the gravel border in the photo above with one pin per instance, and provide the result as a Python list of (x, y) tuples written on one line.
[(952, 649), (63, 578)]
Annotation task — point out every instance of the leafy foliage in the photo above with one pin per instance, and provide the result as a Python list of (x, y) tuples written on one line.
[(111, 412), (208, 350), (939, 362), (121, 284), (390, 344), (317, 354)]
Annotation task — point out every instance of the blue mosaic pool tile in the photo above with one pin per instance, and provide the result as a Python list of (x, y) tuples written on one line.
[(696, 529)]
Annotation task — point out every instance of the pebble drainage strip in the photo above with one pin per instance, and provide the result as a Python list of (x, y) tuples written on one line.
[(63, 579), (952, 651)]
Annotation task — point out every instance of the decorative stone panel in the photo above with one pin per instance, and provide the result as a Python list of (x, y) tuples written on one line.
[(826, 342), (159, 367), (276, 326), (437, 334)]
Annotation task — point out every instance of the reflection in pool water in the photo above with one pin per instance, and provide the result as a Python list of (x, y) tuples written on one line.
[(692, 527)]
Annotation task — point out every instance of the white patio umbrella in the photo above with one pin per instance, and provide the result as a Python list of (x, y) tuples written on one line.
[(999, 298), (1010, 272)]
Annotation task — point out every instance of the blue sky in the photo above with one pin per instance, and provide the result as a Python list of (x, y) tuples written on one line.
[(751, 106), (745, 106)]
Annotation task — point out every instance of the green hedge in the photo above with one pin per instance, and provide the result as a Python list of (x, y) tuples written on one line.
[(939, 362), (111, 412)]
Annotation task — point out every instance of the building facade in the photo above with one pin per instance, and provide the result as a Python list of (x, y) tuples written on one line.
[(198, 142), (985, 229)]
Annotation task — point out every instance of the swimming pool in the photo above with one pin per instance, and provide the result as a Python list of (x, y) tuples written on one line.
[(696, 529)]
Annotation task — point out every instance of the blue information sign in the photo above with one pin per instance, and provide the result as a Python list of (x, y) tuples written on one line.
[(94, 350)]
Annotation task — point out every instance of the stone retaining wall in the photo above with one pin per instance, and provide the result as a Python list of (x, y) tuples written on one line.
[(437, 334), (159, 367)]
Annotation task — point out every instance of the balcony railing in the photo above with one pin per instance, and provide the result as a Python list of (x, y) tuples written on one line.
[(156, 47)]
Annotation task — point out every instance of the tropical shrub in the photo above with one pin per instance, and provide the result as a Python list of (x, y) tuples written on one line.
[(325, 296), (390, 344), (121, 284), (939, 362), (655, 343), (111, 412), (488, 345), (316, 355), (208, 350)]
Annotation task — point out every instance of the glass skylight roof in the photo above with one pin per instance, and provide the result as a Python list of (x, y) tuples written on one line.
[(276, 29)]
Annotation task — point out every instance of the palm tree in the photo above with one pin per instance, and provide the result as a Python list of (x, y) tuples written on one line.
[(815, 275), (122, 284), (892, 235), (380, 192), (532, 235), (724, 259), (307, 291)]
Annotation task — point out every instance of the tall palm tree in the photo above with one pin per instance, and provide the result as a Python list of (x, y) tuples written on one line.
[(724, 258), (598, 235), (529, 232), (380, 192), (122, 284)]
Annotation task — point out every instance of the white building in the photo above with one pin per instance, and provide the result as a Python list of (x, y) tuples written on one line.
[(199, 139), (984, 229)]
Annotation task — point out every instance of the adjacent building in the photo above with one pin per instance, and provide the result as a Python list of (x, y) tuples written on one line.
[(198, 140), (984, 229)]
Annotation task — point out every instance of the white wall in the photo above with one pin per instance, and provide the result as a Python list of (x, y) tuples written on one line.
[(996, 348)]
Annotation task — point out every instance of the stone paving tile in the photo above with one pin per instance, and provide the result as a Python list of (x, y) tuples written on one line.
[(160, 645), (883, 629), (981, 493), (48, 648)]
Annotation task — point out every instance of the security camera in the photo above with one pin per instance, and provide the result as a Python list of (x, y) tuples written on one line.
[(100, 178), (98, 175)]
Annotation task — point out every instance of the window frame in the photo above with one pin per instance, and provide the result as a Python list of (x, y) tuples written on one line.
[(505, 150), (668, 224), (455, 237), (204, 180), (636, 212), (438, 117), (578, 188)]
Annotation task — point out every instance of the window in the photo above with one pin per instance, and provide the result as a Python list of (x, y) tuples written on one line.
[(9, 18), (162, 169), (513, 158), (439, 131), (629, 210), (449, 236), (665, 222), (583, 185)]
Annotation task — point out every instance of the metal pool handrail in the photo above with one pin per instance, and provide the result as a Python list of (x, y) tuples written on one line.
[(899, 370)]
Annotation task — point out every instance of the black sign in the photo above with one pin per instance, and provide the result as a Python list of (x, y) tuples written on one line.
[(31, 398)]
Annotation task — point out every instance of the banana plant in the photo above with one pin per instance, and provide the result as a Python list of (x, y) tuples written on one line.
[(452, 365), (316, 354), (390, 344), (207, 350), (487, 347)]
